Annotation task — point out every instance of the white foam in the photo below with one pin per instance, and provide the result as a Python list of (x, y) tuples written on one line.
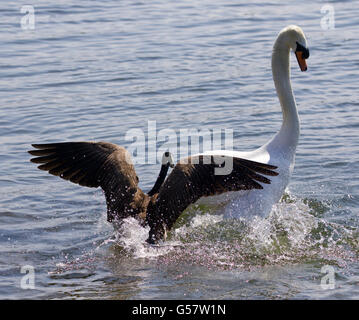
[(288, 234), (132, 236)]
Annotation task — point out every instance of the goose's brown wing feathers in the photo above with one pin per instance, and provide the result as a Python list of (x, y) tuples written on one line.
[(195, 179), (95, 164)]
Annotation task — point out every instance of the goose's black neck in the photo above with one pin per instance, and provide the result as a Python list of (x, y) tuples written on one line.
[(160, 179)]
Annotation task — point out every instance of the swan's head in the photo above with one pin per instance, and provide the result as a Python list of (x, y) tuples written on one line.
[(292, 37)]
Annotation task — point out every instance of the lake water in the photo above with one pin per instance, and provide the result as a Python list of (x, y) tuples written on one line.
[(95, 70)]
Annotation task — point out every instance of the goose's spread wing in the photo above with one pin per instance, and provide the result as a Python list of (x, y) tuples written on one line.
[(95, 164), (197, 178)]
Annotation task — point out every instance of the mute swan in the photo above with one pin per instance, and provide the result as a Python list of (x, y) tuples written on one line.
[(280, 150)]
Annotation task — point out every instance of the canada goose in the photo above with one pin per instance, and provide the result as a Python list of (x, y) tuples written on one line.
[(106, 165)]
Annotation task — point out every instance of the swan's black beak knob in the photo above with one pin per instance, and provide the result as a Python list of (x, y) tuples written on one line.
[(302, 53)]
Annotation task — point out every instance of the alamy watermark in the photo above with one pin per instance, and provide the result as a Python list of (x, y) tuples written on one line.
[(149, 148), (28, 280), (27, 21), (328, 280), (328, 20)]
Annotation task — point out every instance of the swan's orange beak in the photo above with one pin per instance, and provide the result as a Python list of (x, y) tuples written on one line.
[(301, 61)]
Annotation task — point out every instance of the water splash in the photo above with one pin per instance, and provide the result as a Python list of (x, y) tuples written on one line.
[(130, 241), (294, 232)]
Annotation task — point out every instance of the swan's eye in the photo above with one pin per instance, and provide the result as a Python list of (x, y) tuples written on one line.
[(304, 50)]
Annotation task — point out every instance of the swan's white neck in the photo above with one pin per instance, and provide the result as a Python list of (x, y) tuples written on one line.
[(288, 135)]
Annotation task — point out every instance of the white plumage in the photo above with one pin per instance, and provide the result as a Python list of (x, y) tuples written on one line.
[(280, 150)]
